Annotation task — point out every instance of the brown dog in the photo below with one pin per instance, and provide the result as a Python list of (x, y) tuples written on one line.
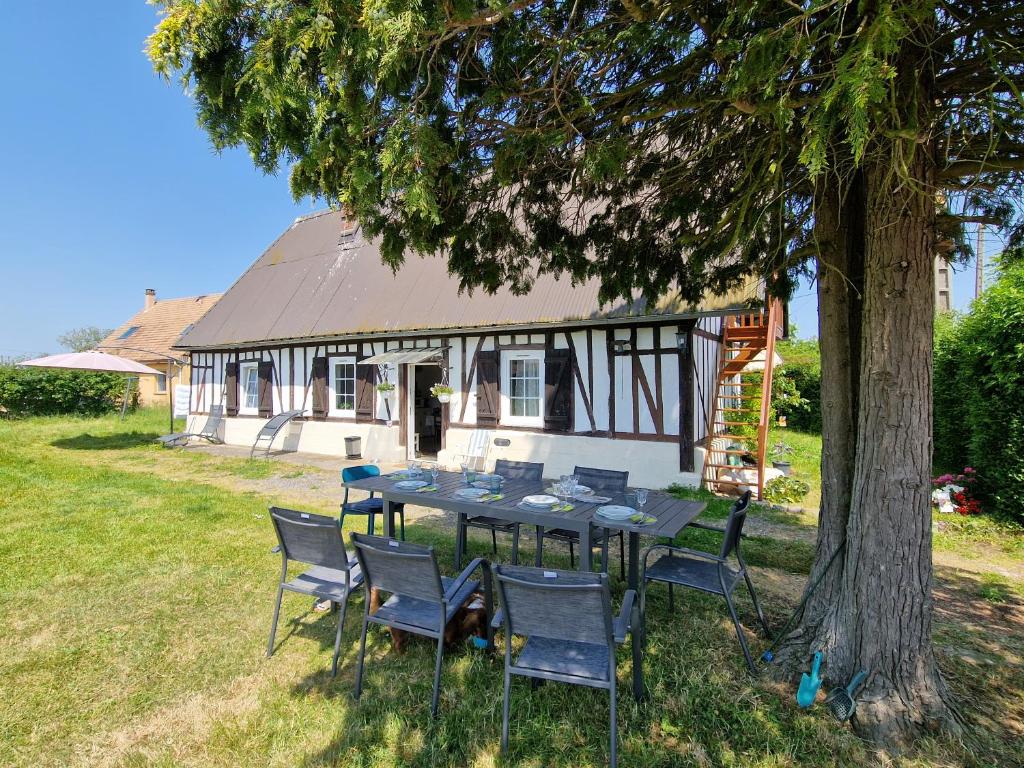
[(469, 620)]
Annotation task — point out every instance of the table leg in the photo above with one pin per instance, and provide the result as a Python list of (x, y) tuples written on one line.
[(586, 551), (460, 539), (634, 560), (538, 558), (389, 519)]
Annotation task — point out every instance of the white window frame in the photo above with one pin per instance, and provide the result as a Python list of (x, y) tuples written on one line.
[(507, 357), (156, 384), (332, 363), (243, 374)]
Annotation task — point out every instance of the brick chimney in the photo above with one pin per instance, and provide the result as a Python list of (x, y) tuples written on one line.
[(150, 299)]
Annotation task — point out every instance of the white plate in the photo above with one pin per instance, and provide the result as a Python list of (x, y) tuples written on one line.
[(472, 493), (540, 500), (411, 485), (616, 512)]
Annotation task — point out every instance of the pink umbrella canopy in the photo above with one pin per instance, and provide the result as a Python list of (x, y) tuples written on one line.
[(93, 361)]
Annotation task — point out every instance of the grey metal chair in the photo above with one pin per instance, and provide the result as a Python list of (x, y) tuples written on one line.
[(422, 601), (609, 481), (707, 572), (510, 470), (314, 540), (265, 438), (570, 634), (210, 431)]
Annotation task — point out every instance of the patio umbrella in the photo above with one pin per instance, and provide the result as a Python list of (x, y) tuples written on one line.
[(91, 360)]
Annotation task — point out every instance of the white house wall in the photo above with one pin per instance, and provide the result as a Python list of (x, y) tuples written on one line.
[(643, 436)]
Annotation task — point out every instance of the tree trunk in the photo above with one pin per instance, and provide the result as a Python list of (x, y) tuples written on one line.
[(839, 234), (883, 620)]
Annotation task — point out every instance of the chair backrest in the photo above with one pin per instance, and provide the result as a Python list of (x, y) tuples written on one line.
[(308, 538), (608, 480), (399, 567), (560, 605), (734, 526), (348, 474), (519, 470), (477, 446), (271, 427), (214, 420)]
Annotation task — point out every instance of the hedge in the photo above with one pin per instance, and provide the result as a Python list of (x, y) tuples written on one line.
[(41, 391), (979, 383), (796, 385)]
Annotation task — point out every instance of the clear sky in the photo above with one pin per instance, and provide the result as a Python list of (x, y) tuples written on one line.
[(109, 187)]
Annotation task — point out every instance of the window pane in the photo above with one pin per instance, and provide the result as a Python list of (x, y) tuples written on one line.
[(252, 396)]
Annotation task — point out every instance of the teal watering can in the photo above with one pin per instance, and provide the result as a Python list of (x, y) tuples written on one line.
[(809, 684)]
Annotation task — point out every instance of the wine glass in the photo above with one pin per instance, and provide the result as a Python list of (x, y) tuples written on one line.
[(641, 499), (565, 488), (435, 470)]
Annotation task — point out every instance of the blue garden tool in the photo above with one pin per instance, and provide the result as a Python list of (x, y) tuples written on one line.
[(809, 684), (841, 702)]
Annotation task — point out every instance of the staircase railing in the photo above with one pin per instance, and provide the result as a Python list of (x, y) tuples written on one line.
[(774, 316)]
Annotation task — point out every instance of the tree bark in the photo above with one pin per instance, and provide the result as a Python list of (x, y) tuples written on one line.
[(839, 236), (883, 619)]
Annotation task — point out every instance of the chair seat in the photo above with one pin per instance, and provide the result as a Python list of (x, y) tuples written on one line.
[(692, 572), (414, 614), (563, 657), (483, 521), (563, 534), (365, 506), (326, 583)]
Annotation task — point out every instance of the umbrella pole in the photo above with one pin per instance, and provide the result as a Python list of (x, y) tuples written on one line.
[(127, 392), (170, 395)]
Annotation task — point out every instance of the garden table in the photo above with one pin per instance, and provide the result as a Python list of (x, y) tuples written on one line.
[(672, 514)]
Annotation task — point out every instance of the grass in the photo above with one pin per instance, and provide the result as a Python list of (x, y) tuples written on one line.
[(136, 596)]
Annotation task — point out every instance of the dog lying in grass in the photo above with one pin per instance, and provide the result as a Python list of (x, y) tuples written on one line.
[(469, 621)]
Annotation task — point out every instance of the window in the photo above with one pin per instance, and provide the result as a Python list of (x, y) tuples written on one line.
[(343, 387), (161, 382), (522, 389), (129, 332), (248, 374)]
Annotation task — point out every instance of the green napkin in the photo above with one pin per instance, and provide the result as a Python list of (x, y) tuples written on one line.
[(639, 518), (427, 489), (563, 508), (493, 497)]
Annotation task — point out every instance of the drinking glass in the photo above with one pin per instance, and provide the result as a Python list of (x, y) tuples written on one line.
[(574, 484), (434, 472), (641, 499), (563, 486), (465, 472), (495, 484)]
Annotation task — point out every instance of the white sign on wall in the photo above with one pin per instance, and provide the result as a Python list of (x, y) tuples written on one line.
[(182, 393)]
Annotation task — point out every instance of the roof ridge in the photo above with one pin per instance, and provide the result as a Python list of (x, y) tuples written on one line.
[(316, 215)]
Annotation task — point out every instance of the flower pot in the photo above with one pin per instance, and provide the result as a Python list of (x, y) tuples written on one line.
[(783, 466), (444, 397)]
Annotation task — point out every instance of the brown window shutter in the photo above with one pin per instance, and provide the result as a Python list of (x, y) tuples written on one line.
[(364, 392), (265, 374), (487, 372), (231, 388), (320, 392), (558, 390)]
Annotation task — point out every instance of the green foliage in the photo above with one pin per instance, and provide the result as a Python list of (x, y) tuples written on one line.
[(796, 386), (38, 391), (82, 339), (979, 378), (785, 490)]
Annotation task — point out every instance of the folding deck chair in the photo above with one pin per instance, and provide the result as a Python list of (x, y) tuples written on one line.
[(209, 431), (265, 439)]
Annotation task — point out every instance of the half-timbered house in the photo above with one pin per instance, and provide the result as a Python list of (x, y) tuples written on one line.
[(318, 322)]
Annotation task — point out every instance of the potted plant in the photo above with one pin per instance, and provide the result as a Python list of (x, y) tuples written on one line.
[(442, 392), (386, 389)]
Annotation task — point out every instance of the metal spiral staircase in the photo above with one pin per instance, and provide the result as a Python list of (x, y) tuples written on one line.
[(737, 440)]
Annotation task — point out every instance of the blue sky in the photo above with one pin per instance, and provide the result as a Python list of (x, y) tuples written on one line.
[(109, 187)]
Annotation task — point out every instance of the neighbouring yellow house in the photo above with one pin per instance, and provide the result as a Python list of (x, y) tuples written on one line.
[(148, 336)]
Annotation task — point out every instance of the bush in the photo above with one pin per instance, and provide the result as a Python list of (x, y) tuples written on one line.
[(979, 378), (41, 392), (796, 386), (785, 490)]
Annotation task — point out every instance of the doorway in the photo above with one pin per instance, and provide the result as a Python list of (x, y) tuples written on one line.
[(426, 410)]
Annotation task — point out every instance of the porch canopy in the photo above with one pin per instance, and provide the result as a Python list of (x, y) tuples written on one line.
[(399, 356)]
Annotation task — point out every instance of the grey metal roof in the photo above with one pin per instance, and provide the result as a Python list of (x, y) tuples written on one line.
[(321, 279)]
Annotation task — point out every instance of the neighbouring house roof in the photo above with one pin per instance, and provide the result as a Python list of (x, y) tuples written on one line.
[(322, 279), (157, 328)]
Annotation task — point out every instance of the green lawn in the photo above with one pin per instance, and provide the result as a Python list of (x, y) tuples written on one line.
[(136, 591)]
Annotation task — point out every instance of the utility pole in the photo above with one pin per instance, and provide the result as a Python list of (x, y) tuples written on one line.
[(979, 266)]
